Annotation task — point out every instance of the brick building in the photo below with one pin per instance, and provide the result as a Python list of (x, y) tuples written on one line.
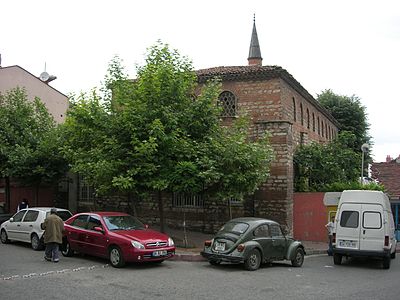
[(278, 104)]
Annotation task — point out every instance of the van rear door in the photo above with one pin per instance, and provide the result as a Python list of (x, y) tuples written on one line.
[(372, 231), (348, 227)]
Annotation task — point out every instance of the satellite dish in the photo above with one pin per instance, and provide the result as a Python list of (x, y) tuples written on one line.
[(44, 76)]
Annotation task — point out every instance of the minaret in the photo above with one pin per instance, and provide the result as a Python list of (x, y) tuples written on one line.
[(254, 52)]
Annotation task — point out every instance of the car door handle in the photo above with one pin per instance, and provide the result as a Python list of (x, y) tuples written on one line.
[(18, 225), (364, 231), (30, 225)]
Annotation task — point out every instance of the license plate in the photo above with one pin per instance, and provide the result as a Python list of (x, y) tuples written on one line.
[(219, 246), (347, 244), (159, 253)]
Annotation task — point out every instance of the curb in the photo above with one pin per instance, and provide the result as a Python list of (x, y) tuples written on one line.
[(192, 257), (187, 257)]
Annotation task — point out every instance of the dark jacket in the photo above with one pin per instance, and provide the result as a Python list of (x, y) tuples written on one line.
[(53, 227)]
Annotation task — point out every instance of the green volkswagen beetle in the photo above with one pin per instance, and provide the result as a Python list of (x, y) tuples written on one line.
[(252, 241)]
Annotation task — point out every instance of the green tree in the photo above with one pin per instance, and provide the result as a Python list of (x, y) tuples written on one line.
[(320, 165), (153, 135), (351, 115), (28, 141)]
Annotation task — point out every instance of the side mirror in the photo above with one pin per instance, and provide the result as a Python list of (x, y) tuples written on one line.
[(98, 229), (11, 219)]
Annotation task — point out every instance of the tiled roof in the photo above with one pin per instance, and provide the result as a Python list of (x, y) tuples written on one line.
[(388, 173), (255, 72)]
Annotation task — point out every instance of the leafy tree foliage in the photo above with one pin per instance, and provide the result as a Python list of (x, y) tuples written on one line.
[(153, 135), (351, 115), (320, 165), (28, 140)]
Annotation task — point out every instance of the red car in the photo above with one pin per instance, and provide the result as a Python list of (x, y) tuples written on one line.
[(115, 235)]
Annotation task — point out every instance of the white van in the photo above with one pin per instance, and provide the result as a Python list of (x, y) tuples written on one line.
[(364, 226)]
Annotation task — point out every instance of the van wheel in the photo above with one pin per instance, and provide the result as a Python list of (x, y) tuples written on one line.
[(393, 255), (386, 262), (337, 259)]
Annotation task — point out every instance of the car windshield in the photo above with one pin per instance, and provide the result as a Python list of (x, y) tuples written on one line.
[(234, 227), (122, 223)]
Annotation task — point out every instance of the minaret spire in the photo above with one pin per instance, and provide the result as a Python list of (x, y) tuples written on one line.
[(254, 52)]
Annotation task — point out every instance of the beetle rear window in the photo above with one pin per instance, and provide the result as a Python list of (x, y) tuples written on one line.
[(235, 227)]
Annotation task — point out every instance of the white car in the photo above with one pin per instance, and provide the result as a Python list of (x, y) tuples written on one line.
[(24, 226)]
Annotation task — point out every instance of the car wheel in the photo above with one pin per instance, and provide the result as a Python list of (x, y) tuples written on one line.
[(116, 258), (298, 259), (386, 262), (215, 262), (36, 243), (393, 255), (253, 261), (66, 249), (337, 259), (4, 237)]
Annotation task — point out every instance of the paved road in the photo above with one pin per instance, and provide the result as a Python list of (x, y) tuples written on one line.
[(25, 275)]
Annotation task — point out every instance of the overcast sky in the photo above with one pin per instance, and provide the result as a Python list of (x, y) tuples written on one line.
[(349, 46)]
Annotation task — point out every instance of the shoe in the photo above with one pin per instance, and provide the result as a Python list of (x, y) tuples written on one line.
[(47, 258), (56, 260)]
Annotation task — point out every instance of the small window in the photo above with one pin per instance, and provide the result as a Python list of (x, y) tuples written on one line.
[(349, 219), (80, 221), (18, 217), (294, 110), (313, 122), (308, 119), (31, 216), (262, 231), (187, 200), (372, 220), (227, 101), (275, 231), (94, 221), (301, 114)]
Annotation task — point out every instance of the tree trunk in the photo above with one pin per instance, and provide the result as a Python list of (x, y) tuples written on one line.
[(36, 200), (161, 211), (8, 194), (132, 204)]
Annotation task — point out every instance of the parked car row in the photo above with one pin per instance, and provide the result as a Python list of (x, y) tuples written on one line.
[(122, 238), (114, 235), (363, 227)]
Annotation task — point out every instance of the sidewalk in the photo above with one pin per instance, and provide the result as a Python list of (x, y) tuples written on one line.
[(189, 244)]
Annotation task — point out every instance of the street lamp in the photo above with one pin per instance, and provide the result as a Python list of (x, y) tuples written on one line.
[(364, 149)]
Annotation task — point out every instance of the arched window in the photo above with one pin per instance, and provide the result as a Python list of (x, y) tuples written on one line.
[(294, 110), (319, 129), (326, 130), (301, 114), (313, 122), (227, 101), (308, 119), (322, 128)]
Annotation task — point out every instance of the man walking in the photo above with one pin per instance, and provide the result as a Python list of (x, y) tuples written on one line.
[(330, 227), (53, 227)]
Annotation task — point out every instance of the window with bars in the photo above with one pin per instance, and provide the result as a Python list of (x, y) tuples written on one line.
[(227, 101), (187, 200), (86, 191)]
